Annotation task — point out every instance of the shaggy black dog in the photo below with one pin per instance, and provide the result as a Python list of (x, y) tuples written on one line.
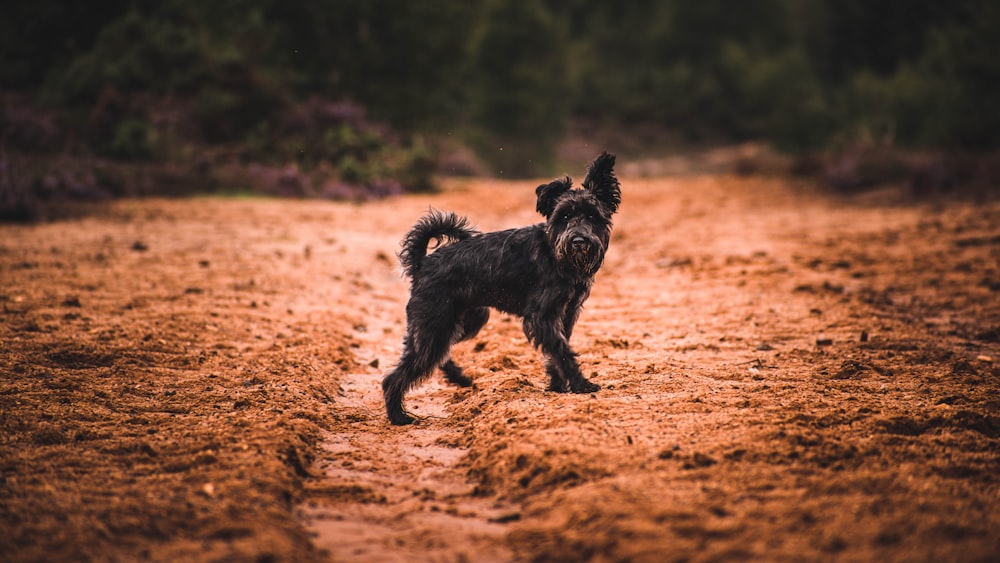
[(542, 273)]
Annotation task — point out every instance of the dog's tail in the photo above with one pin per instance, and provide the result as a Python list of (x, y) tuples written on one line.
[(435, 225)]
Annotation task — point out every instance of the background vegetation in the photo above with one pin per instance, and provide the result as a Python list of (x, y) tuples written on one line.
[(329, 95)]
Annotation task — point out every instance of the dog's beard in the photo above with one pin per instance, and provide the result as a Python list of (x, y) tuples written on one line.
[(584, 259)]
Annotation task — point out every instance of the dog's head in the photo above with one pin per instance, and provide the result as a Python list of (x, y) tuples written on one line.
[(578, 222)]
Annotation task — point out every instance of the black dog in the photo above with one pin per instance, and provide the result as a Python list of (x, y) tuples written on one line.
[(542, 273)]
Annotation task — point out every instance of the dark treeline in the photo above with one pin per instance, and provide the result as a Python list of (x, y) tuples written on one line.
[(133, 80)]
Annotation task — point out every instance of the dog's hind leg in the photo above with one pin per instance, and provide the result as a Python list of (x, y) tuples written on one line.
[(397, 382), (425, 347), (471, 322), (454, 374)]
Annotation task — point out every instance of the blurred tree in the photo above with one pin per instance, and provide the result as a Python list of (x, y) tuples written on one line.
[(844, 37), (802, 74), (943, 94), (671, 61), (403, 60), (38, 36), (184, 50), (961, 71), (519, 89)]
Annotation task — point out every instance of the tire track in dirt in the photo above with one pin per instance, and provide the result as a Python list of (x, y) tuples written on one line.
[(384, 493), (390, 494)]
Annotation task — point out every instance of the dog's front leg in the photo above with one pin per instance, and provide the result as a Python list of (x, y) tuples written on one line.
[(569, 319), (573, 308), (560, 359)]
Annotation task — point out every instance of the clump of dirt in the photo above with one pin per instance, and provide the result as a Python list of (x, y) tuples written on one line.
[(784, 375)]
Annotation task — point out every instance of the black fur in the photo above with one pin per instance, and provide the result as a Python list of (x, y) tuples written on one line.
[(541, 273), (435, 225)]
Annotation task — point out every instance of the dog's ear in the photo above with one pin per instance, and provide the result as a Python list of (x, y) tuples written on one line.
[(602, 183), (549, 193)]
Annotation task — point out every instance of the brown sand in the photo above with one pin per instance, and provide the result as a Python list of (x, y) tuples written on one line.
[(785, 376)]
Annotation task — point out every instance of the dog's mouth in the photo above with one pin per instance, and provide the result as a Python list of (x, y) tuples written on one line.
[(583, 255)]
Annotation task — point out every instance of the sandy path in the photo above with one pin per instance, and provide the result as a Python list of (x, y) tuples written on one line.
[(785, 376)]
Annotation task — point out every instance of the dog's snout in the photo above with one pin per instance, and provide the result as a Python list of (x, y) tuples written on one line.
[(578, 241)]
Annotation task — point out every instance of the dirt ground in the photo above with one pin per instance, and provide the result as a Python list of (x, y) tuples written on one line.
[(785, 375)]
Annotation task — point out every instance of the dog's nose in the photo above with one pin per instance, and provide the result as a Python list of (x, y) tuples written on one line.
[(578, 241)]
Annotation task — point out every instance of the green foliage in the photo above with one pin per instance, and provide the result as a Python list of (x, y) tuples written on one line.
[(132, 54), (788, 101), (404, 61), (520, 94), (947, 96), (416, 171), (804, 74), (960, 75), (132, 140), (155, 81)]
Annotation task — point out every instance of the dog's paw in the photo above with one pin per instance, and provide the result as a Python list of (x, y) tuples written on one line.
[(454, 375), (401, 419), (584, 386), (458, 378), (558, 386)]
